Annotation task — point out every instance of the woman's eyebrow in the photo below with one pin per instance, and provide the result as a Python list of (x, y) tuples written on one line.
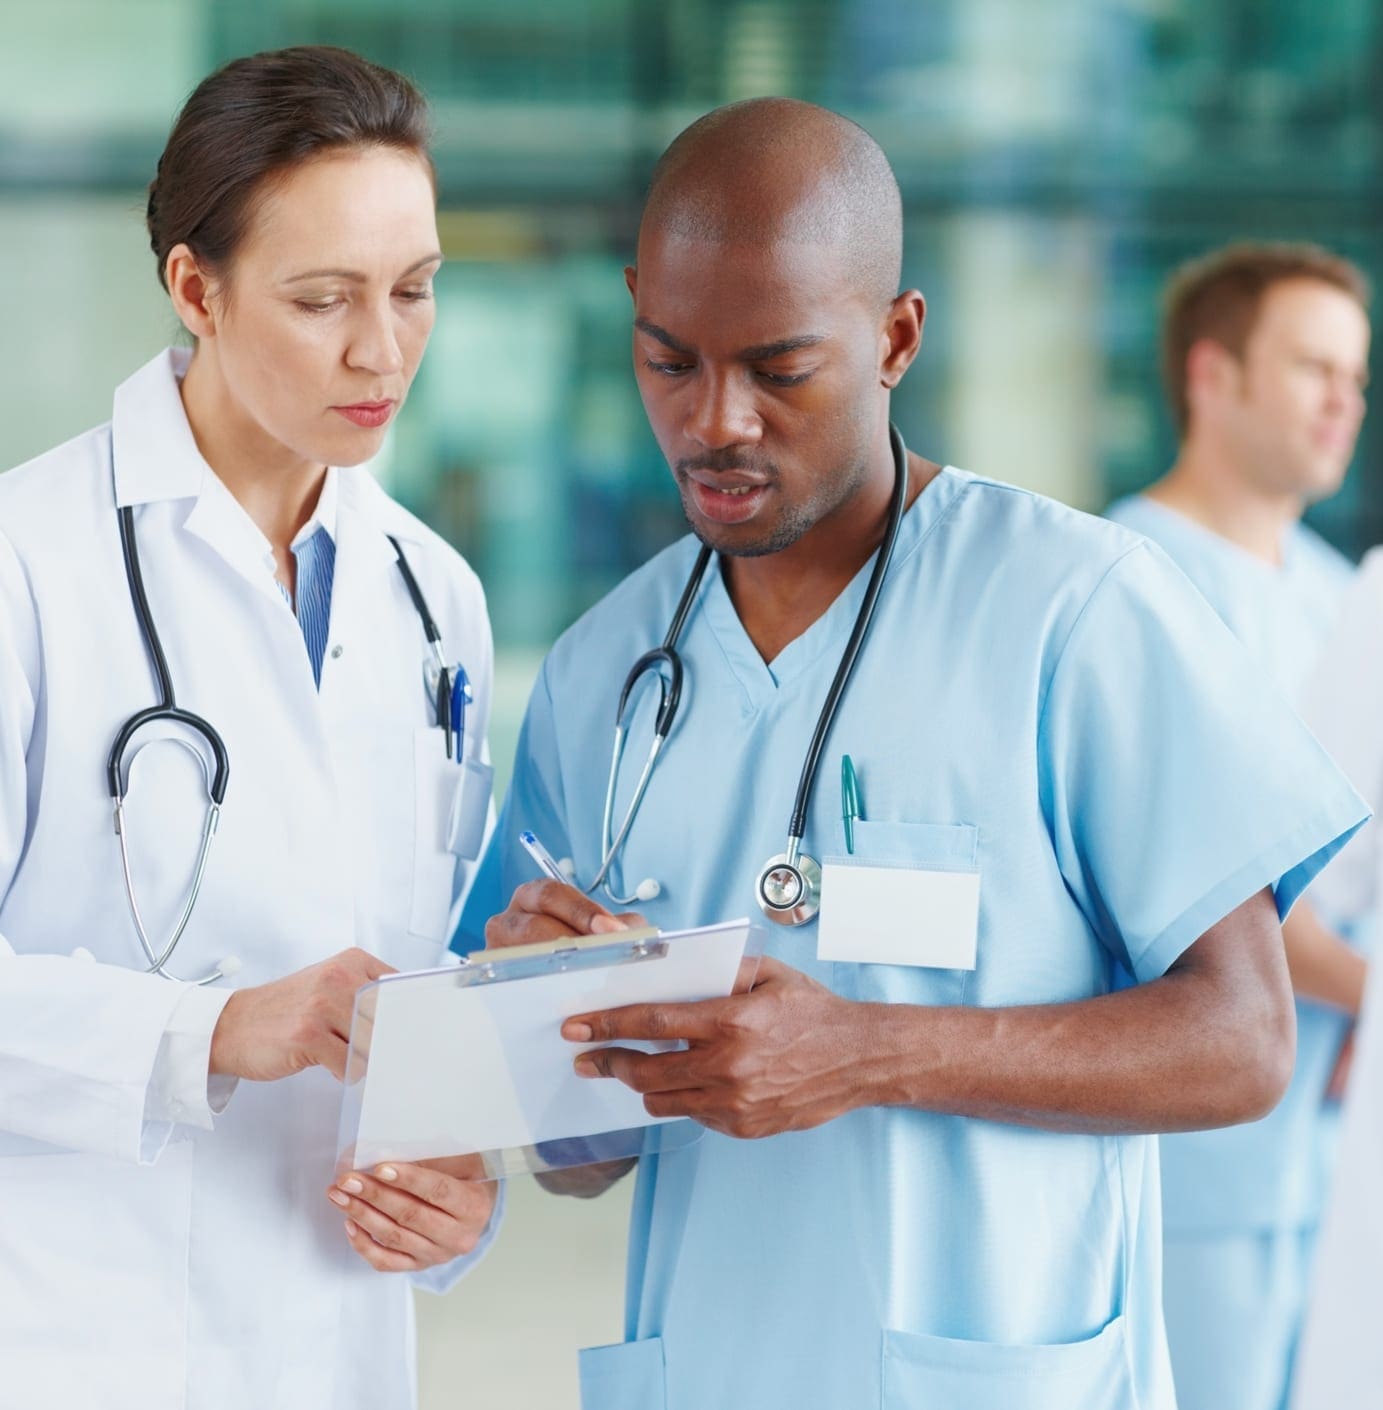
[(355, 276)]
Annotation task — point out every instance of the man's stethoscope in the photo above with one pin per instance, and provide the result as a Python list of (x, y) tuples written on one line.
[(167, 709), (788, 889)]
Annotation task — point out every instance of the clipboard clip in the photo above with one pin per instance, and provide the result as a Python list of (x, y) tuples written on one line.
[(558, 957)]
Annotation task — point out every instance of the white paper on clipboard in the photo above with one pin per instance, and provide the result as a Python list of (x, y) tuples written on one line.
[(455, 1061)]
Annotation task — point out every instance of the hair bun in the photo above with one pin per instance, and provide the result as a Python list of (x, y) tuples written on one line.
[(254, 118)]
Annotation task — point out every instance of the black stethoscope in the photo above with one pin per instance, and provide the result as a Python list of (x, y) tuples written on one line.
[(167, 709), (788, 888)]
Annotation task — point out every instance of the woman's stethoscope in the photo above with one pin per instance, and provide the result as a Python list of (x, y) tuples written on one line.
[(788, 889), (167, 709)]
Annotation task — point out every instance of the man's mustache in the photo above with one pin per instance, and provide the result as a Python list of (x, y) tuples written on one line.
[(719, 463)]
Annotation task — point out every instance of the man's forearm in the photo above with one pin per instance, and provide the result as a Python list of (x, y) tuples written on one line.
[(585, 1181), (1171, 1055)]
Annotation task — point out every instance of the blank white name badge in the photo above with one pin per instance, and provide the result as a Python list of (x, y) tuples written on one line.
[(898, 914)]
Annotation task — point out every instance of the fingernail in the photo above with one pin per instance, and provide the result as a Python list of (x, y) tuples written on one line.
[(336, 1197), (352, 1186), (577, 1032), (585, 1066), (351, 1230), (606, 925), (387, 1172)]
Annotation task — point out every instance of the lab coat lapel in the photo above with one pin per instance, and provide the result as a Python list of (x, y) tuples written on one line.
[(219, 520), (372, 621)]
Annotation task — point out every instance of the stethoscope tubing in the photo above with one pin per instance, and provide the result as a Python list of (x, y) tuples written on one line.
[(671, 693), (217, 781), (863, 621)]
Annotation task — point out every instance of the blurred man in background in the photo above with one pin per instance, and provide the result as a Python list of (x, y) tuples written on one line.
[(1265, 355)]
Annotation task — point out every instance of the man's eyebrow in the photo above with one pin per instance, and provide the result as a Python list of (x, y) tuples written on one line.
[(761, 352), (766, 352), (646, 325), (356, 277)]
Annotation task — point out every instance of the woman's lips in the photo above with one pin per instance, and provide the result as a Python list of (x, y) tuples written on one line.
[(367, 414)]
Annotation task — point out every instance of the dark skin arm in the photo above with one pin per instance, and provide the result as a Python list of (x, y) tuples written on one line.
[(1211, 1043)]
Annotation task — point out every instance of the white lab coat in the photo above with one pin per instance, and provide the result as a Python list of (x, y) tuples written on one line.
[(1340, 1362), (154, 1254)]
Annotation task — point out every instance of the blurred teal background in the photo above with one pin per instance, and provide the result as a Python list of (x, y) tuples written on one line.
[(1057, 159)]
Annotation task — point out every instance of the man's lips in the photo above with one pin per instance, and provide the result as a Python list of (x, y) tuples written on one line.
[(727, 498), (726, 479)]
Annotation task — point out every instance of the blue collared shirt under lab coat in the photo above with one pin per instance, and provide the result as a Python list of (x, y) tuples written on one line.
[(1273, 1173), (1032, 673)]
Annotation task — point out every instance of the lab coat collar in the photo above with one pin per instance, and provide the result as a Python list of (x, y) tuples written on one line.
[(152, 446), (156, 458), (360, 497)]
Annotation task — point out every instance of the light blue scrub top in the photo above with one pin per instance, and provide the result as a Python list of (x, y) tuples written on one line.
[(1270, 1174), (1052, 682)]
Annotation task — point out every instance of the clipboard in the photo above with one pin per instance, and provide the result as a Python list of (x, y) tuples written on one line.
[(469, 1060)]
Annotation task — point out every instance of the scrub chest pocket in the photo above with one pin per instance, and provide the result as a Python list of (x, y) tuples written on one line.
[(964, 1375), (906, 898)]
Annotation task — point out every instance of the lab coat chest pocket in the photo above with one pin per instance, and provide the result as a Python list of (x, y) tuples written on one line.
[(389, 816), (969, 1375), (438, 782), (900, 914)]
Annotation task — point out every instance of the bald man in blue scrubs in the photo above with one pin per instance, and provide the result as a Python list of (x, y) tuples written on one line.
[(1265, 353), (926, 1178)]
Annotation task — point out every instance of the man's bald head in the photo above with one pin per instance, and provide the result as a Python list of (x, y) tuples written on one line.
[(775, 169)]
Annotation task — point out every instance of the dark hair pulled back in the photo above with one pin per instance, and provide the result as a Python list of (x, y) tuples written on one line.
[(257, 118)]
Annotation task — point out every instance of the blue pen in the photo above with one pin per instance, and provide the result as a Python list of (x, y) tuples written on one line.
[(543, 857), (461, 696)]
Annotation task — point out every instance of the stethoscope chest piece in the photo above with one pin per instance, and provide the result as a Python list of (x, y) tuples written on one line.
[(789, 888)]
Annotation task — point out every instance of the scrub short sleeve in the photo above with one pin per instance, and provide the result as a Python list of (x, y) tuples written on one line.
[(533, 803), (1175, 780)]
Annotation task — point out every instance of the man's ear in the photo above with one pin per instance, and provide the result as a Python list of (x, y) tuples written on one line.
[(1212, 371), (900, 337)]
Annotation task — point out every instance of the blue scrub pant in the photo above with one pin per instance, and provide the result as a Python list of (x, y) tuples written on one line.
[(1234, 1306)]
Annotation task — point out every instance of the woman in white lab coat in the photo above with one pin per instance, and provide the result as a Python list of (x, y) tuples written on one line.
[(170, 1231)]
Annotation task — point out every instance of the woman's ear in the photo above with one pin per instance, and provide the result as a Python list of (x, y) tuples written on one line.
[(191, 291)]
